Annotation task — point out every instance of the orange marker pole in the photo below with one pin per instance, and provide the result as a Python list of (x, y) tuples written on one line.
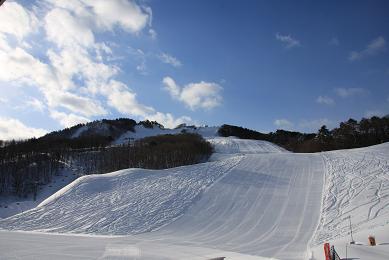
[(327, 251)]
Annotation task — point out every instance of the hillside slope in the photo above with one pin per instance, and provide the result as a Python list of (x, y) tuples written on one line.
[(356, 189), (254, 201), (256, 204)]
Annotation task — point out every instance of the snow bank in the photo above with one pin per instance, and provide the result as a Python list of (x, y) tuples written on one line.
[(125, 202)]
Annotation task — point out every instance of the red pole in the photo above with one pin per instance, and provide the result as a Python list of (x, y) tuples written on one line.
[(327, 251)]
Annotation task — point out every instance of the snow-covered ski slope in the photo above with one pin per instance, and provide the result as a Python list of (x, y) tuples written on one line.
[(232, 145), (254, 201), (356, 187), (124, 202), (265, 203)]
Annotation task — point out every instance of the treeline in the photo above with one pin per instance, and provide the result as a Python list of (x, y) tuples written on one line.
[(27, 164), (156, 152), (349, 134), (111, 128)]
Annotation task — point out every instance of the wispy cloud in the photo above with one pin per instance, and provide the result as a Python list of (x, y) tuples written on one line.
[(35, 104), (348, 92), (325, 100), (374, 47), (169, 59), (204, 95), (76, 79), (153, 34), (67, 119), (334, 41), (14, 129), (3, 100), (288, 41), (283, 123)]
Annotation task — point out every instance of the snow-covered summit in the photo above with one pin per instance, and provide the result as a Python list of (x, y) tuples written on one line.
[(124, 130), (141, 131)]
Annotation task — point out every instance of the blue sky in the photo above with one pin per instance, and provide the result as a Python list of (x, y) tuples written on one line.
[(261, 64)]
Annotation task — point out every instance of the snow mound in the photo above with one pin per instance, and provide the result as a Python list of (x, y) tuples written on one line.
[(124, 202), (356, 186)]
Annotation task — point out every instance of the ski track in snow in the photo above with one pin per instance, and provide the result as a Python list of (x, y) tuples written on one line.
[(357, 185), (231, 145), (262, 207), (254, 199), (125, 202), (253, 202)]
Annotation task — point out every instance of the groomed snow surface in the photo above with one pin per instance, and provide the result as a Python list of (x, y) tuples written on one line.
[(254, 200)]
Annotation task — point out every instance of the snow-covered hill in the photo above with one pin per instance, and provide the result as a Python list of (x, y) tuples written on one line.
[(141, 132), (254, 200), (356, 188), (124, 202), (124, 130)]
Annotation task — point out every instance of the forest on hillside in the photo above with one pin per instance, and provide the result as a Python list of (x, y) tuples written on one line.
[(26, 165), (349, 134)]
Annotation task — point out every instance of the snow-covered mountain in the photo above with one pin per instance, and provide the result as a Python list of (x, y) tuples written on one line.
[(123, 130), (253, 200)]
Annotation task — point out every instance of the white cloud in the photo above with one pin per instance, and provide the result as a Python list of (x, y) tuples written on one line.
[(105, 15), (16, 20), (35, 104), (348, 92), (325, 100), (11, 128), (374, 47), (68, 120), (124, 100), (77, 63), (66, 30), (153, 34), (77, 104), (18, 65), (75, 78), (169, 59), (171, 87), (3, 100), (142, 67), (205, 95), (315, 124), (169, 121), (334, 41), (283, 123), (288, 41)]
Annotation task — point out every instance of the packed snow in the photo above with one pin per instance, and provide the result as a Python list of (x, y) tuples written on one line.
[(254, 200), (232, 145), (356, 189), (124, 202)]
